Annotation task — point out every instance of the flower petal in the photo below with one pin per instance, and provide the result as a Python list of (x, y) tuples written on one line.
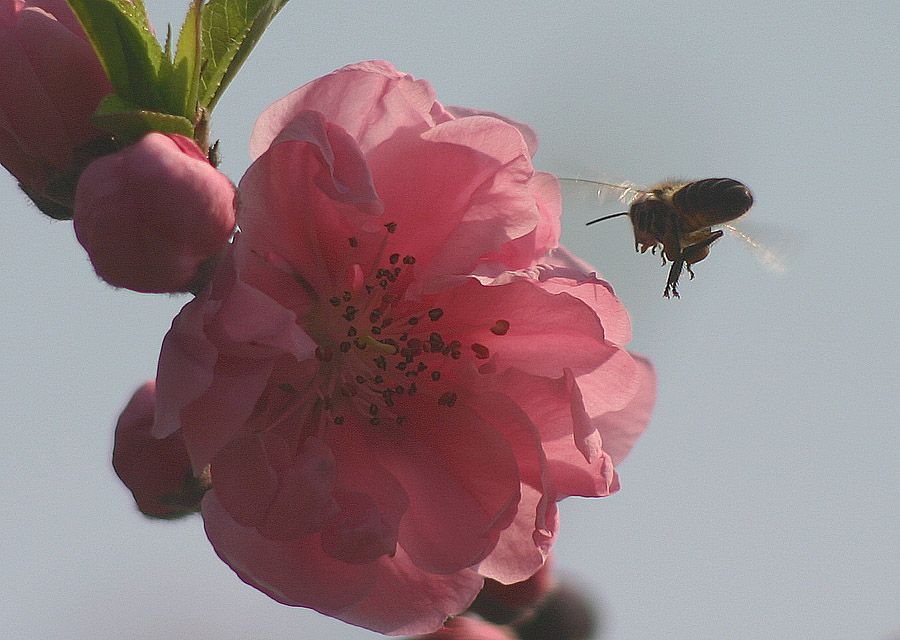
[(370, 100), (461, 476), (466, 182), (295, 572), (407, 600), (620, 429)]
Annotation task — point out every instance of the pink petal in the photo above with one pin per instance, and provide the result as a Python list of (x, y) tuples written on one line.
[(528, 134), (573, 475), (620, 429), (523, 545), (521, 253), (370, 100), (215, 362), (461, 476), (407, 600), (466, 183), (264, 485), (547, 332), (304, 199), (358, 534), (597, 294), (372, 503), (610, 386), (295, 572)]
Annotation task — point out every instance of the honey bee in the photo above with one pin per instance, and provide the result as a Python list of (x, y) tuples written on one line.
[(679, 217)]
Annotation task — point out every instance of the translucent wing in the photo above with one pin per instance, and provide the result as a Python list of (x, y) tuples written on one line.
[(604, 192), (771, 254)]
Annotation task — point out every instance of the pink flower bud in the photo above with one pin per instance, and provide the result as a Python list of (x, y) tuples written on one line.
[(463, 628), (506, 603), (158, 471), (51, 84), (567, 613), (154, 216)]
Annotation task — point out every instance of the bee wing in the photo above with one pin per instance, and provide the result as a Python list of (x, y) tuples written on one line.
[(771, 254), (602, 193)]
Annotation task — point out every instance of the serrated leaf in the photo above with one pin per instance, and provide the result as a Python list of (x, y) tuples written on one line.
[(230, 29), (129, 122), (128, 50), (187, 58)]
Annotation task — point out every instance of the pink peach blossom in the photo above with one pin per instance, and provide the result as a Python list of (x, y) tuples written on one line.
[(153, 215), (396, 372), (157, 471), (52, 83)]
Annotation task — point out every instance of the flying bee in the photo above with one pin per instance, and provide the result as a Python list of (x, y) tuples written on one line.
[(678, 218)]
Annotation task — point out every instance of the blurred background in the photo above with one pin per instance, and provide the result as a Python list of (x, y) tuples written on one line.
[(763, 500)]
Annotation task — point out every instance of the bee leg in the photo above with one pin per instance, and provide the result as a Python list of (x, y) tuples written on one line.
[(672, 282), (687, 265)]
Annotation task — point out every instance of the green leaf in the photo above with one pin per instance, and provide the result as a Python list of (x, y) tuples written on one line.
[(187, 59), (129, 122), (230, 30), (128, 50)]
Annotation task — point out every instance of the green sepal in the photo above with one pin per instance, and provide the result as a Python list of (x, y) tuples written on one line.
[(129, 122), (230, 30)]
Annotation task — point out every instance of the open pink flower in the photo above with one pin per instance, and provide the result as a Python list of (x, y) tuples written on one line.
[(52, 82), (154, 215), (396, 373)]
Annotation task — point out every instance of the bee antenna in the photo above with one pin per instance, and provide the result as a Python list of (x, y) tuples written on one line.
[(612, 215)]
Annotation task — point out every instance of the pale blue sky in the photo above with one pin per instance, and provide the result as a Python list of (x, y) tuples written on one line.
[(763, 500)]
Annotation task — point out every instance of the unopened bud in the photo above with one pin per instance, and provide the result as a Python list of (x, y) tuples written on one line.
[(52, 82), (567, 613), (465, 628), (507, 603), (154, 216), (157, 471)]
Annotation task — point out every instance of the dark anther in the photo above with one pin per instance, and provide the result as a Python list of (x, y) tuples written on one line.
[(500, 328), (287, 388), (448, 399), (481, 351), (391, 227), (435, 375), (435, 314), (395, 258), (354, 242)]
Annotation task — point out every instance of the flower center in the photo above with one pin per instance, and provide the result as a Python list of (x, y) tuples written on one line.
[(375, 346)]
